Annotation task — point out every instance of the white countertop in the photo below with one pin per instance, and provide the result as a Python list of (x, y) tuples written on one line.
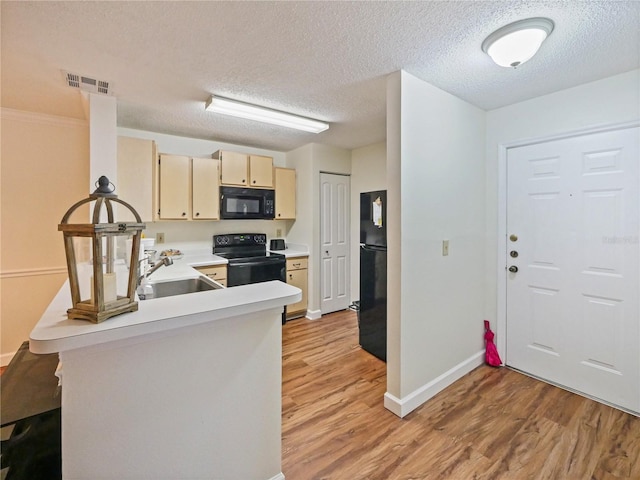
[(55, 332), (293, 250)]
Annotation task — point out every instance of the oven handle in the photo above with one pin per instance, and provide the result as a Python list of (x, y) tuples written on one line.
[(262, 261)]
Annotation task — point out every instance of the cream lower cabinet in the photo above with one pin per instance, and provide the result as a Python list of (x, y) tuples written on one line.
[(297, 275), (215, 272), (188, 188), (285, 193)]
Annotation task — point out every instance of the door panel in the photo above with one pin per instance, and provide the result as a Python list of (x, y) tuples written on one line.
[(334, 235), (572, 306)]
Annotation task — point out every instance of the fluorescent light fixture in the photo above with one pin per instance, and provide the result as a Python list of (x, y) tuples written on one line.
[(514, 44), (262, 114)]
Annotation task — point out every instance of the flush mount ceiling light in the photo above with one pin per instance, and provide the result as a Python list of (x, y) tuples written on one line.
[(514, 44), (262, 114)]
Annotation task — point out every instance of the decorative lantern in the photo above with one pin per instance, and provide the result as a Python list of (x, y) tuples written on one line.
[(102, 258)]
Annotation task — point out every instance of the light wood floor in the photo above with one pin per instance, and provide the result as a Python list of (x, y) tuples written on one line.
[(492, 424)]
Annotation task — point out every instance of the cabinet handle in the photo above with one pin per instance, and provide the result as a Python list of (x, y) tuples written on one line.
[(197, 214), (278, 214), (290, 277), (296, 264), (244, 181), (184, 214), (254, 181)]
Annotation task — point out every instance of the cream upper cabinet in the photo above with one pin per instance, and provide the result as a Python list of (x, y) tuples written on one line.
[(135, 182), (234, 168), (174, 192), (285, 193), (242, 170), (188, 188), (260, 171), (205, 174)]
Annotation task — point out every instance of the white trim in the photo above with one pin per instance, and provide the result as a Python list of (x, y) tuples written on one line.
[(279, 476), (501, 312), (41, 118), (313, 314), (403, 406), (33, 272), (5, 358)]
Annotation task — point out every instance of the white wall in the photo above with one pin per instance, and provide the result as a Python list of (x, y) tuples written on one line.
[(309, 161), (436, 191), (611, 100), (177, 231), (368, 172)]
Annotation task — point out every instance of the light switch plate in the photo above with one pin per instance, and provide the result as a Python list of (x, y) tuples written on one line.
[(278, 232), (445, 248), (159, 237)]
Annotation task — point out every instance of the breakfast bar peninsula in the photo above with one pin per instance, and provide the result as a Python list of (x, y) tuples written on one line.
[(189, 386)]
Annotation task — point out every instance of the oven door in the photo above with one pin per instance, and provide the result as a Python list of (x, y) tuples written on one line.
[(246, 203), (263, 269)]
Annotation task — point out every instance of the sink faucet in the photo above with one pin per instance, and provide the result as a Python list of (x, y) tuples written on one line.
[(164, 261)]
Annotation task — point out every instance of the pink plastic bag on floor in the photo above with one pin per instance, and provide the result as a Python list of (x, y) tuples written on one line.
[(491, 356)]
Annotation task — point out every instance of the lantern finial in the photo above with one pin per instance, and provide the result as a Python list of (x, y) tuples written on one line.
[(104, 188)]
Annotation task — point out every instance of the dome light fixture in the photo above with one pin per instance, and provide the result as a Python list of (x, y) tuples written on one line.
[(514, 44)]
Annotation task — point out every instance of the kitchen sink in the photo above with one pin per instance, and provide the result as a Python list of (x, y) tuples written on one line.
[(178, 287)]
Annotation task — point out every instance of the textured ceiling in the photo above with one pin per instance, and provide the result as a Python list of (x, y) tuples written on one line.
[(326, 60)]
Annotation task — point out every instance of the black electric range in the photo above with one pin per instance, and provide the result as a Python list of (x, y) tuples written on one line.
[(249, 260)]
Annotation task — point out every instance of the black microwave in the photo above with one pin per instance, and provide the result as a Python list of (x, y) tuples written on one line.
[(246, 203)]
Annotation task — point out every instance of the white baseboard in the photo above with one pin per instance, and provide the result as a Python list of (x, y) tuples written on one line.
[(5, 358), (279, 476), (403, 406), (313, 314)]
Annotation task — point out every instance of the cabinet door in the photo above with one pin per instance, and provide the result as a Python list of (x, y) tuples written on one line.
[(216, 272), (235, 168), (261, 171), (298, 278), (174, 187), (206, 199), (134, 183), (285, 193)]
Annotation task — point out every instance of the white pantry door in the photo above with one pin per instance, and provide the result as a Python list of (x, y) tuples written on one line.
[(572, 233), (334, 242)]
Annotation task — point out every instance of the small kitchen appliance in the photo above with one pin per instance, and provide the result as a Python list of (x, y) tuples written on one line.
[(277, 244)]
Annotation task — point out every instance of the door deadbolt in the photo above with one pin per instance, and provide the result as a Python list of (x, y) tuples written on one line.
[(513, 254), (513, 269), (513, 237)]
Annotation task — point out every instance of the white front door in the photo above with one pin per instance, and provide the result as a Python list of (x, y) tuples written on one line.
[(334, 242), (573, 235)]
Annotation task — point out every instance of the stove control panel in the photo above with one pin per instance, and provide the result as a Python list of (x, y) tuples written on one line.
[(243, 239)]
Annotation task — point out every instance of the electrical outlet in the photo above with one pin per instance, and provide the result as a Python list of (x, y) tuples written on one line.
[(159, 237), (278, 232), (445, 248)]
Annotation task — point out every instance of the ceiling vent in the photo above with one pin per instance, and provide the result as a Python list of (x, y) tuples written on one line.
[(87, 84)]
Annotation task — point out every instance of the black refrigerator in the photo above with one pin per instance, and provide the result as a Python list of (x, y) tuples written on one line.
[(372, 312)]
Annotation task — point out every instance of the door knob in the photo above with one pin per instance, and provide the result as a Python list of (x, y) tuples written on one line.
[(513, 269), (513, 237), (513, 254)]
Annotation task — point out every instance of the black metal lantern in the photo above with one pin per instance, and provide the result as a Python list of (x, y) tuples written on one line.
[(102, 258)]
